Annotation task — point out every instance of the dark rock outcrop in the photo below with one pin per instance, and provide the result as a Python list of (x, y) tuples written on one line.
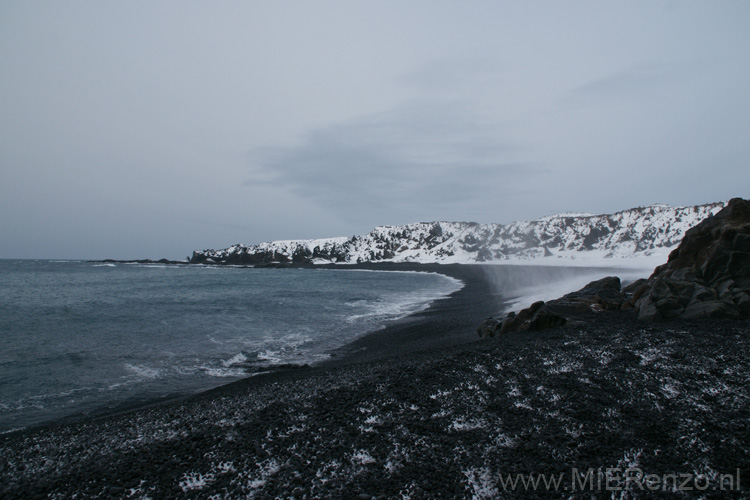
[(574, 308), (141, 261), (488, 328), (238, 258), (707, 275)]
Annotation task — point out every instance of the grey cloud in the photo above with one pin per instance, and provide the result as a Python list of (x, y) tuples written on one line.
[(423, 154), (126, 125), (214, 223), (455, 74), (630, 82)]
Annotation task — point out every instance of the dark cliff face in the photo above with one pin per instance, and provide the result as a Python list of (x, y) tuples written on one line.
[(718, 247), (708, 274)]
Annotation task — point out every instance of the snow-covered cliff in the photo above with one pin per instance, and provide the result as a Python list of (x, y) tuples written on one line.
[(639, 237)]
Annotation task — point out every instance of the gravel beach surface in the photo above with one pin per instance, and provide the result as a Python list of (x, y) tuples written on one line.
[(452, 418)]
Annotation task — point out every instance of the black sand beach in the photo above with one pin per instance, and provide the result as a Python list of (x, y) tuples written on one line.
[(424, 410)]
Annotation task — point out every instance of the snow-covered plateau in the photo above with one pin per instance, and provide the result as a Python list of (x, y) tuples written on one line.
[(636, 238)]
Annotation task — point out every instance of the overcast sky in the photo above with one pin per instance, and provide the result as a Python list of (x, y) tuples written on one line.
[(150, 129)]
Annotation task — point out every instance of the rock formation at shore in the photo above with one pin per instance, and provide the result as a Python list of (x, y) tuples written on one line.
[(706, 276)]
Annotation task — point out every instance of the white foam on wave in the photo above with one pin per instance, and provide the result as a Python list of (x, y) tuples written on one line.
[(43, 401), (343, 268), (270, 356), (380, 310), (104, 265), (279, 347), (25, 403), (214, 371), (143, 371), (236, 359), (14, 429), (223, 369), (456, 281), (402, 305)]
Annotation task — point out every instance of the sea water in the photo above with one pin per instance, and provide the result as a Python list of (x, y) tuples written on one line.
[(78, 337)]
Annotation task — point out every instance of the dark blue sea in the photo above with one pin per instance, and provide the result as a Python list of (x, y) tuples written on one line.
[(81, 336)]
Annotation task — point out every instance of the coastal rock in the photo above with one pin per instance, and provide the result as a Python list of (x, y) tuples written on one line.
[(604, 293), (574, 308), (245, 258), (521, 321), (488, 327), (632, 292), (707, 275)]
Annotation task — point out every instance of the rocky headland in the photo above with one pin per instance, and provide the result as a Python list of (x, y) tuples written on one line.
[(706, 276)]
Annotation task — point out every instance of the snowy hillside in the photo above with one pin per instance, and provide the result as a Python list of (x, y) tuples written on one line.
[(639, 237)]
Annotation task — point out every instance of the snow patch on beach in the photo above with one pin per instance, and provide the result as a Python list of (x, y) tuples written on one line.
[(195, 481), (482, 483), (464, 424), (362, 457)]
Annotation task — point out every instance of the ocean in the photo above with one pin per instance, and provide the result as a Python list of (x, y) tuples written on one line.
[(80, 336)]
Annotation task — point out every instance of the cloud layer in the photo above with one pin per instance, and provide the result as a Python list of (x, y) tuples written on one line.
[(422, 158), (144, 129)]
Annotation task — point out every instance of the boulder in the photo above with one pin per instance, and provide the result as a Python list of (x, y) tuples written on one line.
[(573, 308), (604, 292), (710, 309), (633, 287), (545, 318), (488, 327), (515, 322)]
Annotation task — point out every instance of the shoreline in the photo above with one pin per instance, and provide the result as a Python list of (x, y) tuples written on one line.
[(378, 421), (425, 329), (447, 322), (450, 320)]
